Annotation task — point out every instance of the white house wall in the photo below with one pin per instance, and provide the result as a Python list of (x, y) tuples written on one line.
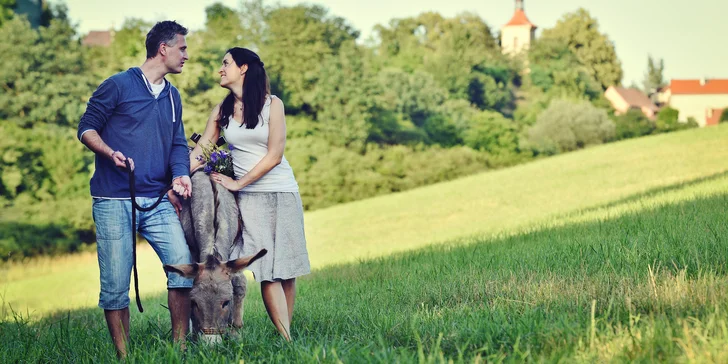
[(696, 105), (511, 33)]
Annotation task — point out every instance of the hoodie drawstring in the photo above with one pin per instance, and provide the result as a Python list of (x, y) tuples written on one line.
[(171, 99)]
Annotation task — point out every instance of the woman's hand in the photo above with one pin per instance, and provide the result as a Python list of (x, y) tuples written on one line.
[(227, 182)]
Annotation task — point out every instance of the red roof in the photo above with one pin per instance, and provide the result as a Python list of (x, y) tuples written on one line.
[(712, 117), (635, 98), (101, 38), (678, 87), (519, 18)]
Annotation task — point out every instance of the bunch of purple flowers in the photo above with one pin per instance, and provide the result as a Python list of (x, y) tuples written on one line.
[(216, 160)]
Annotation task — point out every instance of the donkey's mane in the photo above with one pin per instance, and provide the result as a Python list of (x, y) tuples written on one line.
[(211, 262)]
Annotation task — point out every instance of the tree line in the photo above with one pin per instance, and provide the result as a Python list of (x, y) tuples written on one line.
[(430, 99)]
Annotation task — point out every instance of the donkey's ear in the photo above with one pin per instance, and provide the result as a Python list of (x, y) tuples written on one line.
[(240, 263), (186, 270)]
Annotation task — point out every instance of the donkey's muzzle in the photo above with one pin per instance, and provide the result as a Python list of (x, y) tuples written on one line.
[(212, 331), (212, 336)]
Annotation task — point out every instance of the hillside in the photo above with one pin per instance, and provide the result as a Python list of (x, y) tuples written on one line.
[(604, 181)]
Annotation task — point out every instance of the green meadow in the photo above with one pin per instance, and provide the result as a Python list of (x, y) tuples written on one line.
[(614, 253)]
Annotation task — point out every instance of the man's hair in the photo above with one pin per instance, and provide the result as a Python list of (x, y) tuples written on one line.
[(163, 32)]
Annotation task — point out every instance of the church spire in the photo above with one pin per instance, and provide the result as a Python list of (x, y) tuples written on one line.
[(518, 33)]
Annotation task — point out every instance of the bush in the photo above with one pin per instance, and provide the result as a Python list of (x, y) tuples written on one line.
[(491, 132), (20, 240), (328, 175), (667, 121), (633, 124), (567, 125)]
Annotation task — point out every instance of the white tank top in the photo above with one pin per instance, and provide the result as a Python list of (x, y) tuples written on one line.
[(249, 146)]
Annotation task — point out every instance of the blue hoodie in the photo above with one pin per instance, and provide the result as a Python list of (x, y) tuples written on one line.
[(129, 119)]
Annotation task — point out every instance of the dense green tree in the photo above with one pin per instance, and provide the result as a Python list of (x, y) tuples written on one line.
[(223, 27), (493, 85), (43, 163), (415, 98), (409, 43), (297, 40), (592, 48), (415, 95), (460, 53), (45, 77), (199, 83), (346, 99), (6, 10), (556, 70)]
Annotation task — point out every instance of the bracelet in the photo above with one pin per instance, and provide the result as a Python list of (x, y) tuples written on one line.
[(112, 154)]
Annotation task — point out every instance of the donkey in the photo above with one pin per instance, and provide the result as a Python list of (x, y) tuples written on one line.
[(212, 225)]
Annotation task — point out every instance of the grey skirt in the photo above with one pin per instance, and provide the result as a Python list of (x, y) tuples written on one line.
[(273, 221)]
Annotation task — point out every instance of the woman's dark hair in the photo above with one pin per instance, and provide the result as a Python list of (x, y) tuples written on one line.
[(255, 89)]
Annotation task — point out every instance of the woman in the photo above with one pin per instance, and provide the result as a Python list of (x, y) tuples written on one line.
[(255, 128)]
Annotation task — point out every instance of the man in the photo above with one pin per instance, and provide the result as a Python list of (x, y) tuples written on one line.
[(137, 115)]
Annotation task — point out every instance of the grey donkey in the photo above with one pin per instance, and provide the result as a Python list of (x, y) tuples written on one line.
[(212, 225)]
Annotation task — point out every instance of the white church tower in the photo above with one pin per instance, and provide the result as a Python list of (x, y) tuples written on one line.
[(518, 33)]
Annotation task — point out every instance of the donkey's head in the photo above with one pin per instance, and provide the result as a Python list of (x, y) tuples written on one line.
[(212, 295)]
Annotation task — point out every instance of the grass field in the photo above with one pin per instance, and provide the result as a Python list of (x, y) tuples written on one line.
[(615, 253)]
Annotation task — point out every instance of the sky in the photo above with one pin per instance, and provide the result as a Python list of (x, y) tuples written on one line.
[(687, 35)]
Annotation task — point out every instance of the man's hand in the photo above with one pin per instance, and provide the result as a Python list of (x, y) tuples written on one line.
[(182, 186), (119, 159), (175, 201)]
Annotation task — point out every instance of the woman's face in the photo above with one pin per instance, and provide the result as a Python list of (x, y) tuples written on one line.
[(230, 74)]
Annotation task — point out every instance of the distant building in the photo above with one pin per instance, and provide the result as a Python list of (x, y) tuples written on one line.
[(518, 33), (698, 99), (625, 99), (712, 116), (662, 96), (98, 38)]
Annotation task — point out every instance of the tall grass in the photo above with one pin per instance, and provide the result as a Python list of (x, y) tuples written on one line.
[(646, 286)]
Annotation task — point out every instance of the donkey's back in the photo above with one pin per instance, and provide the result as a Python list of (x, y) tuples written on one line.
[(210, 219)]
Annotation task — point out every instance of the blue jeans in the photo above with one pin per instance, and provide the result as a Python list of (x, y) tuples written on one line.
[(161, 228)]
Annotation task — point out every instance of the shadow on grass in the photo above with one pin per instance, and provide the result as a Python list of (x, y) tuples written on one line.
[(653, 192), (556, 294)]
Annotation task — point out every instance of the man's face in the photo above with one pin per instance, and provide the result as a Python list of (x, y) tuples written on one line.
[(175, 54)]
